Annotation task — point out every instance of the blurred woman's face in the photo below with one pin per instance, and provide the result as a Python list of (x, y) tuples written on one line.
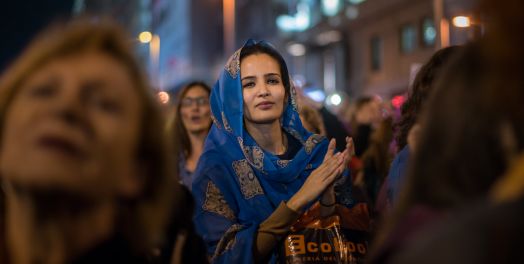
[(195, 110), (73, 126), (262, 89)]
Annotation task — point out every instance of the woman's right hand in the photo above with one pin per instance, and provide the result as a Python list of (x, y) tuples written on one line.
[(332, 166)]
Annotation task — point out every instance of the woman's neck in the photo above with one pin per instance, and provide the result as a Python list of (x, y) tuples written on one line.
[(56, 232), (268, 136), (197, 145)]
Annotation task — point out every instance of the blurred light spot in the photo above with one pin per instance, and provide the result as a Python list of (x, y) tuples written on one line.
[(335, 99), (356, 2), (330, 7), (398, 101), (145, 37), (351, 12), (299, 22), (296, 49), (461, 21), (163, 97), (316, 95)]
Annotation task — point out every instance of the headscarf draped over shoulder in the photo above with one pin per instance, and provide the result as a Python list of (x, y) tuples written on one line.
[(237, 184)]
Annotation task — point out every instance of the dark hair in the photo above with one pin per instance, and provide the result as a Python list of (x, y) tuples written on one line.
[(263, 47), (421, 89), (179, 132), (359, 103)]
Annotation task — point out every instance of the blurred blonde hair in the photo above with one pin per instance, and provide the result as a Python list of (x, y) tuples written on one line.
[(143, 219), (312, 119)]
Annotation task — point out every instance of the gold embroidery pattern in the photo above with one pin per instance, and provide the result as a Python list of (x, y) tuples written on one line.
[(233, 64), (226, 123), (215, 202), (227, 241), (293, 93), (253, 154), (283, 163), (311, 142), (249, 184), (295, 134), (215, 121)]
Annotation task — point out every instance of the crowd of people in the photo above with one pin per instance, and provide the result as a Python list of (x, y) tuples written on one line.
[(94, 170)]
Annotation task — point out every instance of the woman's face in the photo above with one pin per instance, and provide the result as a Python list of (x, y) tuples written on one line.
[(262, 89), (195, 110), (74, 125)]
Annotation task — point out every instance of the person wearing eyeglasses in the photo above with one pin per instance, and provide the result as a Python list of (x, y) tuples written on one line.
[(191, 123)]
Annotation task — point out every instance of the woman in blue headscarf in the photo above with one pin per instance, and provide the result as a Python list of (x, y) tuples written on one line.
[(260, 168)]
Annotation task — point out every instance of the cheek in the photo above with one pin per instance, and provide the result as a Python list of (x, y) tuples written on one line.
[(185, 116)]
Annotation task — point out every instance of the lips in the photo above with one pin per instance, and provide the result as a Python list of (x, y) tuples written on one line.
[(264, 105), (61, 145), (196, 118)]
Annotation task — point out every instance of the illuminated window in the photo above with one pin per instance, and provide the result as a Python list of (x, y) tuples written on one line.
[(429, 32), (376, 53), (408, 38)]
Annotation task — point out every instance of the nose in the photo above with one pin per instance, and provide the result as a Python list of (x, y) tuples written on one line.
[(263, 90), (69, 106)]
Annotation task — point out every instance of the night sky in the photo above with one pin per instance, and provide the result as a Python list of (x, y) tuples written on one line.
[(22, 19)]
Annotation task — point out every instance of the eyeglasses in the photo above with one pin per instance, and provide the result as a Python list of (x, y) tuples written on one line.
[(200, 101)]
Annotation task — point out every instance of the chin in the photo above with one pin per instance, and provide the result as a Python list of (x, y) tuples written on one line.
[(264, 120)]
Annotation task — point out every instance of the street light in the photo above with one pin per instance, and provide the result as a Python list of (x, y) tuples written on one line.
[(145, 37), (229, 7)]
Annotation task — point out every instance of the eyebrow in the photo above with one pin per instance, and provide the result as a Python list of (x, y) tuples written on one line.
[(266, 75)]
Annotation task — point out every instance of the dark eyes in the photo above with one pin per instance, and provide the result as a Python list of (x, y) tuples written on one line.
[(43, 90), (271, 80), (248, 85), (90, 97), (106, 105)]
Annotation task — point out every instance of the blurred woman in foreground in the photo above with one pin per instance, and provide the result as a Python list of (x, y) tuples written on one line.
[(83, 160)]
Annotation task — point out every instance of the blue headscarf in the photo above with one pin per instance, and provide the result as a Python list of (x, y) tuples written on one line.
[(237, 185)]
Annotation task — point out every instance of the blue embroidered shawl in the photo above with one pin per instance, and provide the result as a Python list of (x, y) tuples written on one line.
[(237, 185)]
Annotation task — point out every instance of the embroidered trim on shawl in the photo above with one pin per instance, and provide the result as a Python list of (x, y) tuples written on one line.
[(283, 163), (295, 134), (294, 98), (233, 64), (216, 203), (249, 184), (311, 142), (215, 121), (226, 123), (227, 241), (253, 154)]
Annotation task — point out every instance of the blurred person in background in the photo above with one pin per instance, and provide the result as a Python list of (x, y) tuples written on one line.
[(85, 168), (490, 231), (311, 120), (366, 117), (408, 127), (332, 125), (376, 161), (190, 124), (260, 168), (460, 153)]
